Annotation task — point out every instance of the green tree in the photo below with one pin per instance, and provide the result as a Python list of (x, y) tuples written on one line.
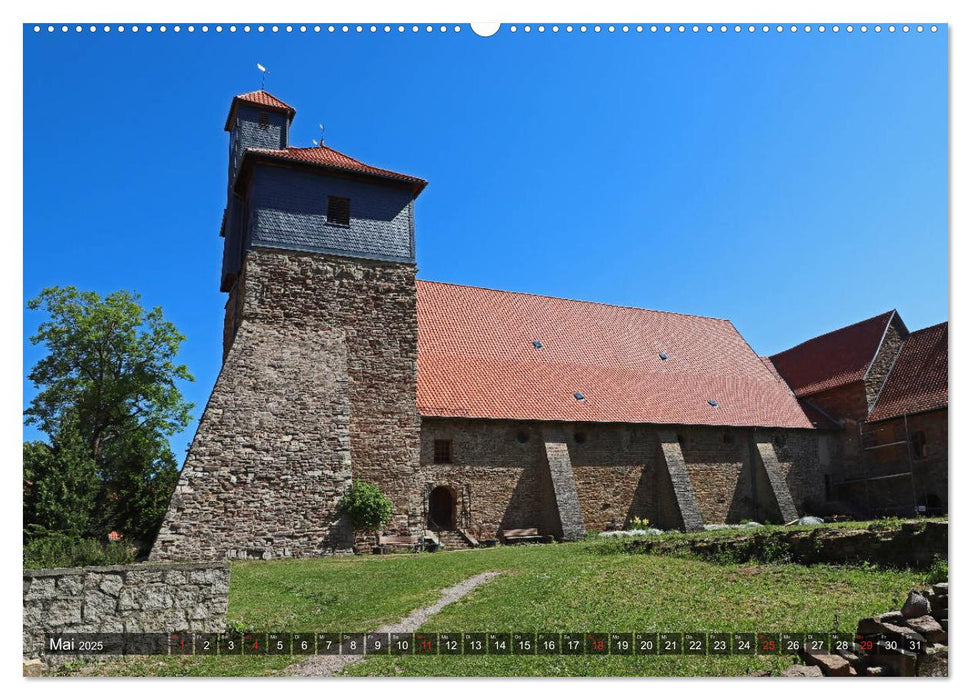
[(139, 475), (108, 399), (61, 484), (368, 508), (109, 362)]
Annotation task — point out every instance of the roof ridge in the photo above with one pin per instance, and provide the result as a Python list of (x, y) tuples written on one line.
[(929, 328), (262, 91), (581, 301), (836, 330)]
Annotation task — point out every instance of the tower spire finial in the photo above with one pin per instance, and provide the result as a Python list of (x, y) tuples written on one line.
[(264, 71)]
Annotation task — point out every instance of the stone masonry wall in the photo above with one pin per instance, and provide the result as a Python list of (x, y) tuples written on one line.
[(318, 387), (502, 482), (271, 456), (134, 598), (899, 494), (886, 355)]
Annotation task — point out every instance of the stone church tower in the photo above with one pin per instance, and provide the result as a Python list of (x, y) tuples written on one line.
[(320, 349)]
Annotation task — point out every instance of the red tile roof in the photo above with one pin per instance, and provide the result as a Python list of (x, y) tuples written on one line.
[(327, 157), (918, 379), (260, 98), (476, 358), (814, 414), (834, 359)]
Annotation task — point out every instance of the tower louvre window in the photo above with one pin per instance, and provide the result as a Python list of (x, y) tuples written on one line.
[(339, 211), (264, 121)]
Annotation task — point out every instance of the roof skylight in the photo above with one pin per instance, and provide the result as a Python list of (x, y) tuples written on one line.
[(578, 396), (538, 345)]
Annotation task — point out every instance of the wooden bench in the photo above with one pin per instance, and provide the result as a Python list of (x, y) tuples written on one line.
[(391, 542), (525, 534)]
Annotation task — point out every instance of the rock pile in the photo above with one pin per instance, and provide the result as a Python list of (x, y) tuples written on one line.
[(912, 642)]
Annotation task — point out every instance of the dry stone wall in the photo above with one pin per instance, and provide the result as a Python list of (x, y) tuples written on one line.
[(187, 597)]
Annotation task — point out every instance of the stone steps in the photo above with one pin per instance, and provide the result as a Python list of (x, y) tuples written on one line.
[(453, 539)]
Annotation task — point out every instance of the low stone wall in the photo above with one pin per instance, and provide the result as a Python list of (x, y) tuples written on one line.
[(179, 597), (911, 642), (912, 543)]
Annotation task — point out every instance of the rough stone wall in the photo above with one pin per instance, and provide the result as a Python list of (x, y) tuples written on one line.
[(618, 470), (716, 461), (886, 355), (134, 598), (801, 462), (565, 499), (779, 497), (319, 385), (499, 480), (680, 479), (271, 456)]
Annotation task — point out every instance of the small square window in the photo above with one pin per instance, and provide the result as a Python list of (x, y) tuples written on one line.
[(264, 121), (339, 211), (443, 452)]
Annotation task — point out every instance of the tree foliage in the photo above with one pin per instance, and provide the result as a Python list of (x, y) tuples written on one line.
[(109, 362), (61, 488), (108, 400), (368, 508)]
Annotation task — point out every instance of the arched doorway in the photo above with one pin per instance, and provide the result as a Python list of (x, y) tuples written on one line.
[(441, 509)]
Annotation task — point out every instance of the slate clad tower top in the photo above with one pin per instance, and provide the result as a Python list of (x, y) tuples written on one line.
[(314, 200)]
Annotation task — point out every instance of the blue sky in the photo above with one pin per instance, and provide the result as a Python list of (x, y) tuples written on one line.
[(792, 183)]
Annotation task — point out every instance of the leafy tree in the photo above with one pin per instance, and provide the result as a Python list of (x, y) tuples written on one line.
[(139, 475), (111, 363), (108, 400), (61, 484), (368, 508)]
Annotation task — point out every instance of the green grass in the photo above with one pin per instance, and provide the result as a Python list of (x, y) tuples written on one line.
[(553, 588)]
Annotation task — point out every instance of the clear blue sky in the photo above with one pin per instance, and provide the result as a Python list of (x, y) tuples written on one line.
[(792, 183)]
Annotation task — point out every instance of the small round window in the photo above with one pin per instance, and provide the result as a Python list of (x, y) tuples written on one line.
[(522, 437), (579, 438)]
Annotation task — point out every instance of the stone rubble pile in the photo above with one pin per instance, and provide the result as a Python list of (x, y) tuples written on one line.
[(912, 642)]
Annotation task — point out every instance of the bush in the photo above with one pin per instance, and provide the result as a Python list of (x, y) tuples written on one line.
[(938, 571), (52, 550), (368, 508)]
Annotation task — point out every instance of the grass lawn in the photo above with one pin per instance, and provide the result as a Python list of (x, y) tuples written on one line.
[(577, 587)]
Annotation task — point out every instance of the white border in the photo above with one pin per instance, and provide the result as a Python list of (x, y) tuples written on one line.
[(602, 11)]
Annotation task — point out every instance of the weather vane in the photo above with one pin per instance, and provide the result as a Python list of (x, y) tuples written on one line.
[(264, 71)]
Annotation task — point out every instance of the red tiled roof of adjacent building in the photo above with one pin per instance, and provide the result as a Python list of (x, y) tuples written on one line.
[(834, 359), (476, 358), (260, 98), (815, 415), (918, 379), (327, 157)]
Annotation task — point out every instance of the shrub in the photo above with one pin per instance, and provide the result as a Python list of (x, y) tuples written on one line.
[(938, 571), (368, 508), (54, 550)]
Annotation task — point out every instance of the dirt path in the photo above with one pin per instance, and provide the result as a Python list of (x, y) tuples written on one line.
[(331, 665)]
